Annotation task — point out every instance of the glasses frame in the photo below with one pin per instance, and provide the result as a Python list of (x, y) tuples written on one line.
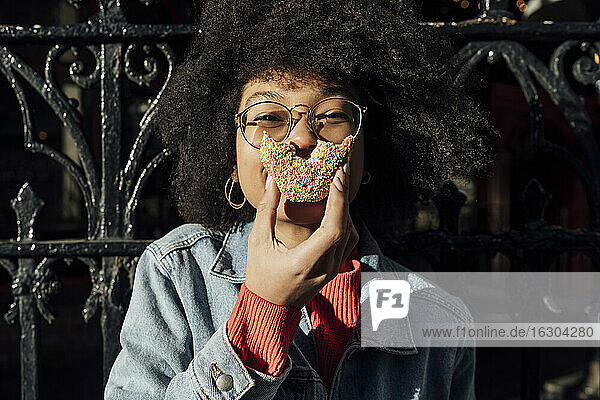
[(238, 117)]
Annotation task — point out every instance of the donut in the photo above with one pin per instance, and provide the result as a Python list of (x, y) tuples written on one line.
[(303, 179)]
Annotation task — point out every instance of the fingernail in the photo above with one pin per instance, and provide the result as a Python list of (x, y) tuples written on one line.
[(338, 184), (345, 167), (268, 182)]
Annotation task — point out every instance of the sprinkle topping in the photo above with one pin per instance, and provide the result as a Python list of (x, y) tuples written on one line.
[(303, 179)]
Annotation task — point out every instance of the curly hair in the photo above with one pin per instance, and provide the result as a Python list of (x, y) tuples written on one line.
[(421, 129)]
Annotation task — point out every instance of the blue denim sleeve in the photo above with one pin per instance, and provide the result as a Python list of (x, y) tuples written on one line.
[(157, 360), (463, 378)]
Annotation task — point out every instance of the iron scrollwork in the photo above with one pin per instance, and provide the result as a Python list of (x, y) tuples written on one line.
[(525, 66), (110, 190)]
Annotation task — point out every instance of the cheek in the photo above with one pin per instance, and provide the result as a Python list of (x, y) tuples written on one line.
[(250, 171)]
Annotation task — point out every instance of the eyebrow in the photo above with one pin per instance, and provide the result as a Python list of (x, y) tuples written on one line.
[(274, 95), (265, 95)]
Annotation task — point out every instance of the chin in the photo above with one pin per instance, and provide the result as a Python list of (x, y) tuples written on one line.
[(301, 213)]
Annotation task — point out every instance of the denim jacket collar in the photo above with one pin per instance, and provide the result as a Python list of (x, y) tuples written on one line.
[(230, 264)]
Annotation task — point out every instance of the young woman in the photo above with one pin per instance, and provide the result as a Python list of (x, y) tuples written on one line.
[(258, 297)]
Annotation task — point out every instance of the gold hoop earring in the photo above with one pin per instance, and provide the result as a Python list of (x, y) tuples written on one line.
[(366, 178), (236, 206)]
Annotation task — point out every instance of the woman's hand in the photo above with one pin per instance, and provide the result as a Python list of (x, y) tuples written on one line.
[(293, 277)]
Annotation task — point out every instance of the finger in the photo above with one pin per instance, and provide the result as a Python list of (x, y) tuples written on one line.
[(332, 227), (352, 240), (331, 262), (340, 249), (266, 211), (343, 252), (337, 204), (337, 207)]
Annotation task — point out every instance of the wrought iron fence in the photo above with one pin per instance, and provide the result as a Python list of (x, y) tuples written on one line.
[(111, 190)]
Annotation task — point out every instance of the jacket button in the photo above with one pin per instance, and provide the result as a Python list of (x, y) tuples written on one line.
[(224, 382)]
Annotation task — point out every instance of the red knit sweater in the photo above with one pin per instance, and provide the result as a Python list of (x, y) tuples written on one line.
[(261, 332)]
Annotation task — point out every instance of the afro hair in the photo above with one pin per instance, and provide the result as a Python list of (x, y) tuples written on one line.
[(421, 129)]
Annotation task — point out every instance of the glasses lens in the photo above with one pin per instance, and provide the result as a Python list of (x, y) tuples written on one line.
[(335, 119), (271, 118)]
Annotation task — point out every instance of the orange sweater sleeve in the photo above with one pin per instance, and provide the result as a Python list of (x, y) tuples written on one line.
[(262, 332), (334, 313)]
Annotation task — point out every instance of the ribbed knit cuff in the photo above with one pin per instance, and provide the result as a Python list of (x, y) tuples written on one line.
[(334, 313), (337, 305), (261, 332)]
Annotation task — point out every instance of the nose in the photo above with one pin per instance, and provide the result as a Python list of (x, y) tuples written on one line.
[(302, 138)]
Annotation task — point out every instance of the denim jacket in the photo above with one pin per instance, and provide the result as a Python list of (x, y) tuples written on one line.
[(174, 344)]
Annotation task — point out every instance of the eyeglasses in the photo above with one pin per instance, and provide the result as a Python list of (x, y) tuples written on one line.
[(331, 119)]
